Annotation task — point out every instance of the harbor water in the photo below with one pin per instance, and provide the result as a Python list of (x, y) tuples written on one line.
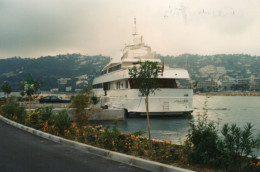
[(221, 109)]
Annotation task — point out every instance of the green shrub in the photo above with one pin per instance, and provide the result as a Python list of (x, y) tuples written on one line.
[(110, 137), (94, 99), (62, 121), (236, 145), (206, 146), (186, 152), (9, 109), (13, 110), (45, 113), (20, 99), (79, 103), (203, 134), (92, 135), (113, 139), (34, 120)]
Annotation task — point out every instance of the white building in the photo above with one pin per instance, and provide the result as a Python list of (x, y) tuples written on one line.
[(207, 86), (227, 85), (256, 84)]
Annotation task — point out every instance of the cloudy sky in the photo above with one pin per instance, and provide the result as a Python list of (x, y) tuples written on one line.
[(34, 28)]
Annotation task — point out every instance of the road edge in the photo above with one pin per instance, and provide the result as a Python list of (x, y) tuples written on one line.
[(115, 156)]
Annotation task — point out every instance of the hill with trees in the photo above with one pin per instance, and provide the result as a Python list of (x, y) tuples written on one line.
[(49, 69), (235, 65)]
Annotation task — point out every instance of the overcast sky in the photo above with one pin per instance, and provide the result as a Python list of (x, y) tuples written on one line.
[(34, 28)]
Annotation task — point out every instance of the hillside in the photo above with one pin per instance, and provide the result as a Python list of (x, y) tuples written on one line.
[(50, 68), (78, 70), (209, 67)]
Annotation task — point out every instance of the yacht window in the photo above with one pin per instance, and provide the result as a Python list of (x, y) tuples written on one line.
[(98, 86), (167, 83), (162, 83), (106, 86), (126, 84), (117, 85), (103, 72), (112, 69)]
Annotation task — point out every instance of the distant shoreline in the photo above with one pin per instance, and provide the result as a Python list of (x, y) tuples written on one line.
[(230, 94)]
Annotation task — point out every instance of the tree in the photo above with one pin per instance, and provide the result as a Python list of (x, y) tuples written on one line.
[(7, 89), (80, 102), (29, 87), (145, 78)]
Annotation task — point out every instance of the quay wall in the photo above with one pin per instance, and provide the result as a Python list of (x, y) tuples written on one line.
[(95, 115), (230, 94)]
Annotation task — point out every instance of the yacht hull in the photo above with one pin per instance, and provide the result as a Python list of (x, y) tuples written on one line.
[(164, 102)]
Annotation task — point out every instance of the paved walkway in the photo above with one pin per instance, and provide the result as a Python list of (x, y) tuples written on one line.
[(22, 151)]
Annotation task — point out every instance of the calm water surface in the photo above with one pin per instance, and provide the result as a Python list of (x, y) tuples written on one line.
[(221, 109)]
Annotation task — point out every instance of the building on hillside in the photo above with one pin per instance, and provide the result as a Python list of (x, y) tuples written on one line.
[(227, 85), (63, 83), (243, 81), (221, 70), (82, 77), (207, 86), (78, 90), (82, 82), (68, 89), (242, 85), (256, 84), (54, 90)]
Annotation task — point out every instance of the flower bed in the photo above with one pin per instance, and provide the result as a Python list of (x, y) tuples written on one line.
[(194, 154)]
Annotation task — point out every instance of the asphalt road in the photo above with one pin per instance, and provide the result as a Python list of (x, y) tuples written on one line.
[(22, 151)]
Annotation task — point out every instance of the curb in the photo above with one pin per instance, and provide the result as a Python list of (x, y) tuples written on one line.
[(115, 156)]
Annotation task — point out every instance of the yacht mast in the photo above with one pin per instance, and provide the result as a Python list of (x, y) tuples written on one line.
[(135, 30)]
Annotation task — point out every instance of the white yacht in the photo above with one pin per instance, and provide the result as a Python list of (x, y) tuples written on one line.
[(115, 89)]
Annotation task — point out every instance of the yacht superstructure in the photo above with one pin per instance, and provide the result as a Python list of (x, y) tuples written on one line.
[(115, 88)]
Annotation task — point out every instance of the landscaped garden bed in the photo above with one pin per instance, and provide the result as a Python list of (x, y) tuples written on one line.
[(205, 149)]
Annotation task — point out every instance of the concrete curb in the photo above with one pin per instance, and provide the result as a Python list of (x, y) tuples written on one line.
[(115, 156)]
